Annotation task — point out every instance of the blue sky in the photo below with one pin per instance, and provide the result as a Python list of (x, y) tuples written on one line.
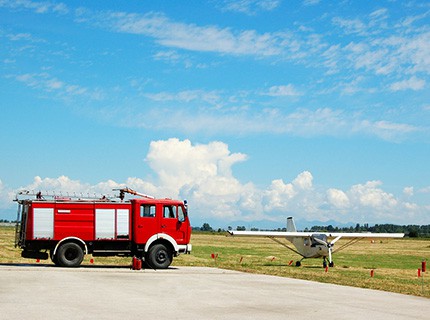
[(252, 110)]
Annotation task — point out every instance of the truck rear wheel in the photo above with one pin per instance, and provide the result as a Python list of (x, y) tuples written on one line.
[(69, 254), (159, 257)]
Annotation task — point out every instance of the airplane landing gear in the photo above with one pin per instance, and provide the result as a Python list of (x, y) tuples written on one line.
[(330, 264)]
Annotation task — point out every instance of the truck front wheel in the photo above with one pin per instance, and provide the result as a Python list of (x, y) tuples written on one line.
[(54, 257), (69, 254), (159, 257)]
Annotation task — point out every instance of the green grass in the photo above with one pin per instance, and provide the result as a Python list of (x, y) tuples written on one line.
[(395, 262)]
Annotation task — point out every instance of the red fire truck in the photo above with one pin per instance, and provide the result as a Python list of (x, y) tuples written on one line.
[(67, 228)]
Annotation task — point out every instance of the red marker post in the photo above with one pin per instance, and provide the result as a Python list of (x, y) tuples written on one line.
[(372, 273), (423, 266)]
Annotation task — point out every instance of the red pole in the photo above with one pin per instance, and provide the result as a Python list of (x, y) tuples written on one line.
[(419, 273), (423, 266), (372, 273)]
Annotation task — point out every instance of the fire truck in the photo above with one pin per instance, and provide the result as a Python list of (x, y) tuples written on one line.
[(66, 228)]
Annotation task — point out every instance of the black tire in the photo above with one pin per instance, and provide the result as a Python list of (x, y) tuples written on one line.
[(159, 257), (54, 258), (69, 254)]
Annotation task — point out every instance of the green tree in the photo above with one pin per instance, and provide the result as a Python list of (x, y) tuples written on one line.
[(206, 227)]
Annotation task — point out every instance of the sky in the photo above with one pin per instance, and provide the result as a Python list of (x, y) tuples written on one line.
[(252, 110)]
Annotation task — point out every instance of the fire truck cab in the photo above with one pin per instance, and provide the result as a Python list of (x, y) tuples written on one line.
[(65, 229)]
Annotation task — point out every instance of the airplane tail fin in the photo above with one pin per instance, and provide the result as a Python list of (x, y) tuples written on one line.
[(291, 226)]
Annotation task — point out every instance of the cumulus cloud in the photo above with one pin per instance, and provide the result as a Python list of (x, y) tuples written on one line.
[(6, 196), (370, 195), (202, 173), (338, 198)]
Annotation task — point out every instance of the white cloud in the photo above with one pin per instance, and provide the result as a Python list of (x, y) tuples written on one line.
[(211, 97), (303, 181), (220, 118), (408, 191), (250, 7), (370, 195), (193, 37), (282, 91), (311, 2), (412, 83), (39, 7), (424, 190), (47, 83), (202, 173), (338, 198), (196, 169), (6, 196)]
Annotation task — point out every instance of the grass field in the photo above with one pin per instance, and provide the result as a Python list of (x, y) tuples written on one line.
[(394, 262)]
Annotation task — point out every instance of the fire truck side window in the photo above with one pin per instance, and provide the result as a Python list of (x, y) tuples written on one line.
[(147, 210), (181, 215), (169, 212)]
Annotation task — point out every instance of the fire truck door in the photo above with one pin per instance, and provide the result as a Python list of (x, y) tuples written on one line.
[(172, 223), (146, 223)]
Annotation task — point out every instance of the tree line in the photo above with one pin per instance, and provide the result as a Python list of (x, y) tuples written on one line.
[(412, 231)]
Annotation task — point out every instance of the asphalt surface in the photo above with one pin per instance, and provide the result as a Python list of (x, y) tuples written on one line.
[(47, 292)]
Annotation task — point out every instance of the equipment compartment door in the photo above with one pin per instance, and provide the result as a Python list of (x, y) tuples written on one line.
[(43, 225), (105, 223)]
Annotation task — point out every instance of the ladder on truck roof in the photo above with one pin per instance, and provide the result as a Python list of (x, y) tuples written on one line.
[(66, 196), (60, 196)]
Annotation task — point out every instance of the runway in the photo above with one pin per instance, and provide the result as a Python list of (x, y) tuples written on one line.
[(47, 292)]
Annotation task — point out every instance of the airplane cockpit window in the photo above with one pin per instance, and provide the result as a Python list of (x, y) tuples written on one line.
[(306, 242), (321, 237)]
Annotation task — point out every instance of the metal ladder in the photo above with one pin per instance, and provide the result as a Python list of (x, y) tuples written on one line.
[(20, 224)]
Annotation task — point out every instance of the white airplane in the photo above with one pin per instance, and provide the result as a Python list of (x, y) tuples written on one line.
[(313, 244)]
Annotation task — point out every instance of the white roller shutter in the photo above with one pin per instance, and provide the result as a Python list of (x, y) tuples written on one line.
[(122, 224), (43, 224), (105, 223)]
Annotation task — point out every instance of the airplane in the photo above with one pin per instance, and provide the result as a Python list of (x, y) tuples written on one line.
[(313, 244)]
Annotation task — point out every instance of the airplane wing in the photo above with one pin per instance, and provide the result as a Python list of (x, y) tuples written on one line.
[(284, 234)]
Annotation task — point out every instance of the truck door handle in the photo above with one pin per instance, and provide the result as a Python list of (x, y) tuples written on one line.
[(163, 226), (139, 226)]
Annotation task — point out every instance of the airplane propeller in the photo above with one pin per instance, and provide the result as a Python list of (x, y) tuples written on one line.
[(329, 245)]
